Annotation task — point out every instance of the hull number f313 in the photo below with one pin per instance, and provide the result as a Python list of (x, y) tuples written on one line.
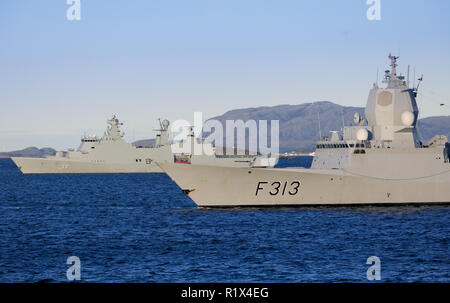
[(276, 188)]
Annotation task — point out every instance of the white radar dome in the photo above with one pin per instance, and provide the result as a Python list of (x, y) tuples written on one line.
[(356, 118), (407, 118), (362, 134)]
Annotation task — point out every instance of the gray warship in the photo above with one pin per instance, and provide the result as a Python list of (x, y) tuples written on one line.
[(379, 160), (109, 154), (112, 154)]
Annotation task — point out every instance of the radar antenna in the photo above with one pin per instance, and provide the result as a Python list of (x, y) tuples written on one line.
[(394, 66)]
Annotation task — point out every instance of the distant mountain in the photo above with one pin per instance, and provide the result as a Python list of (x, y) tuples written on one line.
[(144, 142), (299, 124), (30, 152), (431, 126), (35, 152)]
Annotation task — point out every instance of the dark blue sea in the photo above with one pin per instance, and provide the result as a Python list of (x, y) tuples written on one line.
[(142, 228)]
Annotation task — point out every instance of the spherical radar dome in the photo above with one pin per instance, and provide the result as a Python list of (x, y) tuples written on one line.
[(362, 134), (407, 118)]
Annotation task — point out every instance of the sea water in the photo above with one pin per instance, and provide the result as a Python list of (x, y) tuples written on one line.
[(142, 228)]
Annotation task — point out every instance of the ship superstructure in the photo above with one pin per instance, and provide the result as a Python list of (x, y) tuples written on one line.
[(199, 152)]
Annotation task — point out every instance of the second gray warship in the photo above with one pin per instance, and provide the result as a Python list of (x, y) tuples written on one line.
[(112, 154), (379, 160), (109, 154)]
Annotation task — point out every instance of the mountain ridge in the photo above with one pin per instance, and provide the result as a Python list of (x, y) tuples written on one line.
[(299, 124), (30, 152)]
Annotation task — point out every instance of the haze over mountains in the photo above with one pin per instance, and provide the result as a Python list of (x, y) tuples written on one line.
[(299, 125)]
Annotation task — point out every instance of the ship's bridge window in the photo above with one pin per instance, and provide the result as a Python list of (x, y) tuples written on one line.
[(341, 145)]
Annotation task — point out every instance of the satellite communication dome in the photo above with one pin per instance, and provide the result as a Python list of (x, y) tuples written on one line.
[(165, 124), (356, 118), (362, 134), (407, 118)]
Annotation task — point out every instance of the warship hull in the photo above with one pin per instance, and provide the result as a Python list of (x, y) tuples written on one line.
[(55, 166), (255, 187), (66, 166)]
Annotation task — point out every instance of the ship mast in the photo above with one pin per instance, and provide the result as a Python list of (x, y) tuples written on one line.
[(393, 66), (390, 76)]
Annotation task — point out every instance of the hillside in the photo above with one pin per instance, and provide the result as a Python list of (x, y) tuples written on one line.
[(299, 125), (30, 152)]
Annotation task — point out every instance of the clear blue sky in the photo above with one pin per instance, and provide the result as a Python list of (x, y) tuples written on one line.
[(148, 59)]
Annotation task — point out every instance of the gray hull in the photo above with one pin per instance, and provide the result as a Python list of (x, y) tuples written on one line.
[(229, 187), (52, 166), (55, 165)]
